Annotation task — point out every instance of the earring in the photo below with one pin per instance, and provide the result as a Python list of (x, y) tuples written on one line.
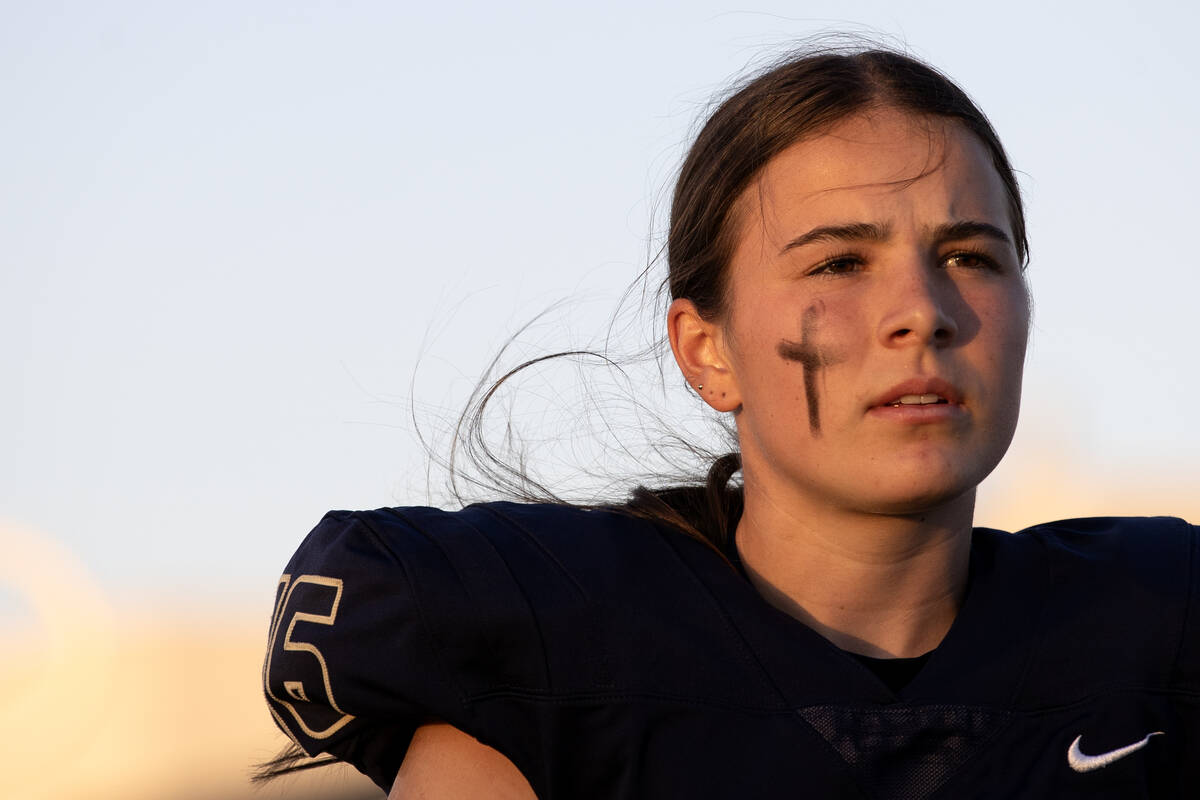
[(700, 387)]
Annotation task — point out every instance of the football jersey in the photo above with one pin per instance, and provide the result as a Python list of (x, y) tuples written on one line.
[(608, 657)]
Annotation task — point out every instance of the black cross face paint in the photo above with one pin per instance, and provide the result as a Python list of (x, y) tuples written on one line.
[(811, 358)]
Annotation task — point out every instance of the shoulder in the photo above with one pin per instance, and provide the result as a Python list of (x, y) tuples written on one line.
[(1157, 552), (490, 578), (539, 589), (1102, 532), (407, 530), (387, 619), (1121, 601), (487, 545)]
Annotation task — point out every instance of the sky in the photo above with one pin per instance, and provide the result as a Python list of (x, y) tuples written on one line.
[(241, 244)]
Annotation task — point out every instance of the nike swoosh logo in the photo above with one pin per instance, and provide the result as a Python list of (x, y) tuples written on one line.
[(1082, 762)]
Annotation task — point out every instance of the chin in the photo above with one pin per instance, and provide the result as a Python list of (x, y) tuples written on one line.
[(920, 503), (930, 492), (929, 479)]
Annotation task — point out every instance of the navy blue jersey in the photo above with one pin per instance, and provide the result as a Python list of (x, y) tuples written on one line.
[(610, 658)]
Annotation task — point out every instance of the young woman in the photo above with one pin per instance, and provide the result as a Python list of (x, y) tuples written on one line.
[(846, 258)]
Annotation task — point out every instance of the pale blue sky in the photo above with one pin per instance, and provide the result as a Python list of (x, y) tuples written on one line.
[(227, 228)]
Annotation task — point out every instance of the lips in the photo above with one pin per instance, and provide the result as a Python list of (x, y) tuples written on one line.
[(919, 392)]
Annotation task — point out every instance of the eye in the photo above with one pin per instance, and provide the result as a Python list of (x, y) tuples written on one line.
[(970, 259), (844, 264)]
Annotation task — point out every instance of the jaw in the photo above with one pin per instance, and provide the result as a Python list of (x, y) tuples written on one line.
[(912, 474)]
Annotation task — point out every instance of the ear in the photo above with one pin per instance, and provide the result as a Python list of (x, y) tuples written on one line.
[(699, 348)]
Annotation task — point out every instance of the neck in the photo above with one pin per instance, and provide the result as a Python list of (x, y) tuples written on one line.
[(876, 584)]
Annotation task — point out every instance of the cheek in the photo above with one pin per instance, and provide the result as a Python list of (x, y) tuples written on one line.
[(1006, 327), (1011, 320), (816, 338), (840, 333), (1002, 315)]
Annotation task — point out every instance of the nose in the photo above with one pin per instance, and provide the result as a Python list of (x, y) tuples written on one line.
[(918, 310)]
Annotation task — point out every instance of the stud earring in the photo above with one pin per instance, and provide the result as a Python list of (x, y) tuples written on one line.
[(700, 387)]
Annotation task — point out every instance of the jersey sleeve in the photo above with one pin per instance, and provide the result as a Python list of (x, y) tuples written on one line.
[(378, 624)]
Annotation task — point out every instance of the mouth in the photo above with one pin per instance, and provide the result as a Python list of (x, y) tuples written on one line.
[(918, 400), (917, 392)]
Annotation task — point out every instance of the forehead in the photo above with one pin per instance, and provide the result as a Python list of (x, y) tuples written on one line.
[(883, 166)]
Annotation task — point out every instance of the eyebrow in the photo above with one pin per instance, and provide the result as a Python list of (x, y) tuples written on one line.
[(870, 232), (970, 229), (853, 232)]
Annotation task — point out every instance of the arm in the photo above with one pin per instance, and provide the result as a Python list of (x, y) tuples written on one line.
[(443, 763)]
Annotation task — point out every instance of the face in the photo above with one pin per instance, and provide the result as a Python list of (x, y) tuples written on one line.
[(875, 333)]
